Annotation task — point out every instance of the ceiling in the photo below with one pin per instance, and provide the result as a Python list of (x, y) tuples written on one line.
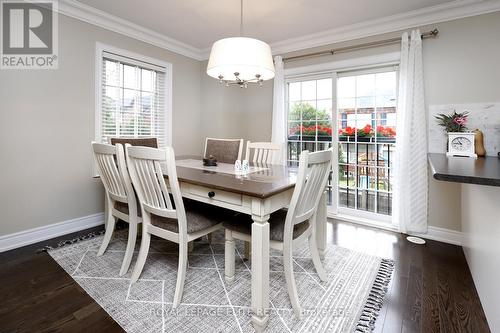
[(199, 23)]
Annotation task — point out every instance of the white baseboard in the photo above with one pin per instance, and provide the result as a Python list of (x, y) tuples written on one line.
[(433, 233), (26, 237), (443, 235)]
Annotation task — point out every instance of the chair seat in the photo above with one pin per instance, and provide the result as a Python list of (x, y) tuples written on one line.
[(243, 224), (123, 207), (199, 216)]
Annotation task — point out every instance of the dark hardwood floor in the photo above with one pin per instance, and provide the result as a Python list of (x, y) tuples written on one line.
[(37, 295), (431, 289)]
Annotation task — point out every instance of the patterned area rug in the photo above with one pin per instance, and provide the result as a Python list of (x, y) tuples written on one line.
[(348, 302)]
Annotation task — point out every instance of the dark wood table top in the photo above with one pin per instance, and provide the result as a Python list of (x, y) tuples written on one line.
[(481, 171), (261, 184)]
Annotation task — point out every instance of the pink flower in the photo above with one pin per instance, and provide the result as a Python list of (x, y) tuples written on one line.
[(460, 120)]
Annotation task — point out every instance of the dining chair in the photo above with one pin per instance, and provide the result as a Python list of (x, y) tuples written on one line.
[(288, 229), (145, 142), (164, 213), (224, 150), (120, 197), (264, 152)]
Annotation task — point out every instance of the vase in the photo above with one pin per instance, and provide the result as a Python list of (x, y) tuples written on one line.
[(479, 143)]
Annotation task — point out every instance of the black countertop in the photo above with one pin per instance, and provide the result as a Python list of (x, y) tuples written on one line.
[(481, 171)]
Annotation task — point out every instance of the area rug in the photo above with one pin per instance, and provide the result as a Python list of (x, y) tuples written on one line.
[(348, 302)]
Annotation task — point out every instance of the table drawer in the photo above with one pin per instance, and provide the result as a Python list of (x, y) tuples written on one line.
[(216, 195)]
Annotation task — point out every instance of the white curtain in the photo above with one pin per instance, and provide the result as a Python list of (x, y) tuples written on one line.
[(410, 183), (279, 114)]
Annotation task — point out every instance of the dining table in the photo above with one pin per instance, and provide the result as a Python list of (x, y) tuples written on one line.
[(258, 192)]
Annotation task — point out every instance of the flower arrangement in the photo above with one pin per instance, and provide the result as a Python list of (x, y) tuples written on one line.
[(348, 131), (368, 131), (387, 132), (311, 130), (454, 122)]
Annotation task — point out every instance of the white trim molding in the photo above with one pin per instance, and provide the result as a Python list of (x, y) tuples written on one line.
[(443, 235), (31, 236), (429, 15), (85, 13)]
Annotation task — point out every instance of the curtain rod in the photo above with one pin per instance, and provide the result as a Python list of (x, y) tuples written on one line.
[(429, 34)]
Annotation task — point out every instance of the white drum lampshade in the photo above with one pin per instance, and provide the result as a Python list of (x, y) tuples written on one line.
[(249, 57)]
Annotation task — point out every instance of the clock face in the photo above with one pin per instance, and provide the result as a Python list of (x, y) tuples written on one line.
[(461, 144)]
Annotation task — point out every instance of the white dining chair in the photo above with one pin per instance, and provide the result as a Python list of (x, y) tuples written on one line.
[(289, 228), (224, 150), (264, 152), (120, 197), (164, 213)]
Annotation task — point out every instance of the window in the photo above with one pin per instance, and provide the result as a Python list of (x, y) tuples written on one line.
[(132, 96), (366, 140)]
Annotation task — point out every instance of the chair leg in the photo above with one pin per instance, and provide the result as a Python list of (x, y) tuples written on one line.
[(290, 282), (248, 251), (190, 247), (110, 228), (181, 274), (229, 257), (318, 265), (209, 238), (143, 254), (129, 252)]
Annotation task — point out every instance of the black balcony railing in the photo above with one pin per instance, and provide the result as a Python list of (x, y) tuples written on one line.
[(364, 169)]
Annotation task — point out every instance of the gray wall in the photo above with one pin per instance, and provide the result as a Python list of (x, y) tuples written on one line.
[(233, 112), (461, 66), (47, 124)]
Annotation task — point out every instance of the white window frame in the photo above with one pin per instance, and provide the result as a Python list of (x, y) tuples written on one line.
[(318, 76), (165, 66), (334, 70)]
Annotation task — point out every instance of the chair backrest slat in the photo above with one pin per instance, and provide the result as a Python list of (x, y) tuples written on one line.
[(164, 189), (145, 166), (106, 157), (263, 152), (149, 183)]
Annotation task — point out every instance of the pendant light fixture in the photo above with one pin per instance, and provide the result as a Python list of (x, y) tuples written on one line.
[(240, 60)]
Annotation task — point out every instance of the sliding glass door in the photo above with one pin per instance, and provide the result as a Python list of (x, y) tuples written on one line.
[(366, 113), (355, 112)]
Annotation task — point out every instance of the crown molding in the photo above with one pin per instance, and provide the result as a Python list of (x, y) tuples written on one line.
[(430, 15), (114, 23)]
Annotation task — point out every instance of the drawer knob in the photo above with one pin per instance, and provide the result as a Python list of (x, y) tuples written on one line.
[(211, 194)]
